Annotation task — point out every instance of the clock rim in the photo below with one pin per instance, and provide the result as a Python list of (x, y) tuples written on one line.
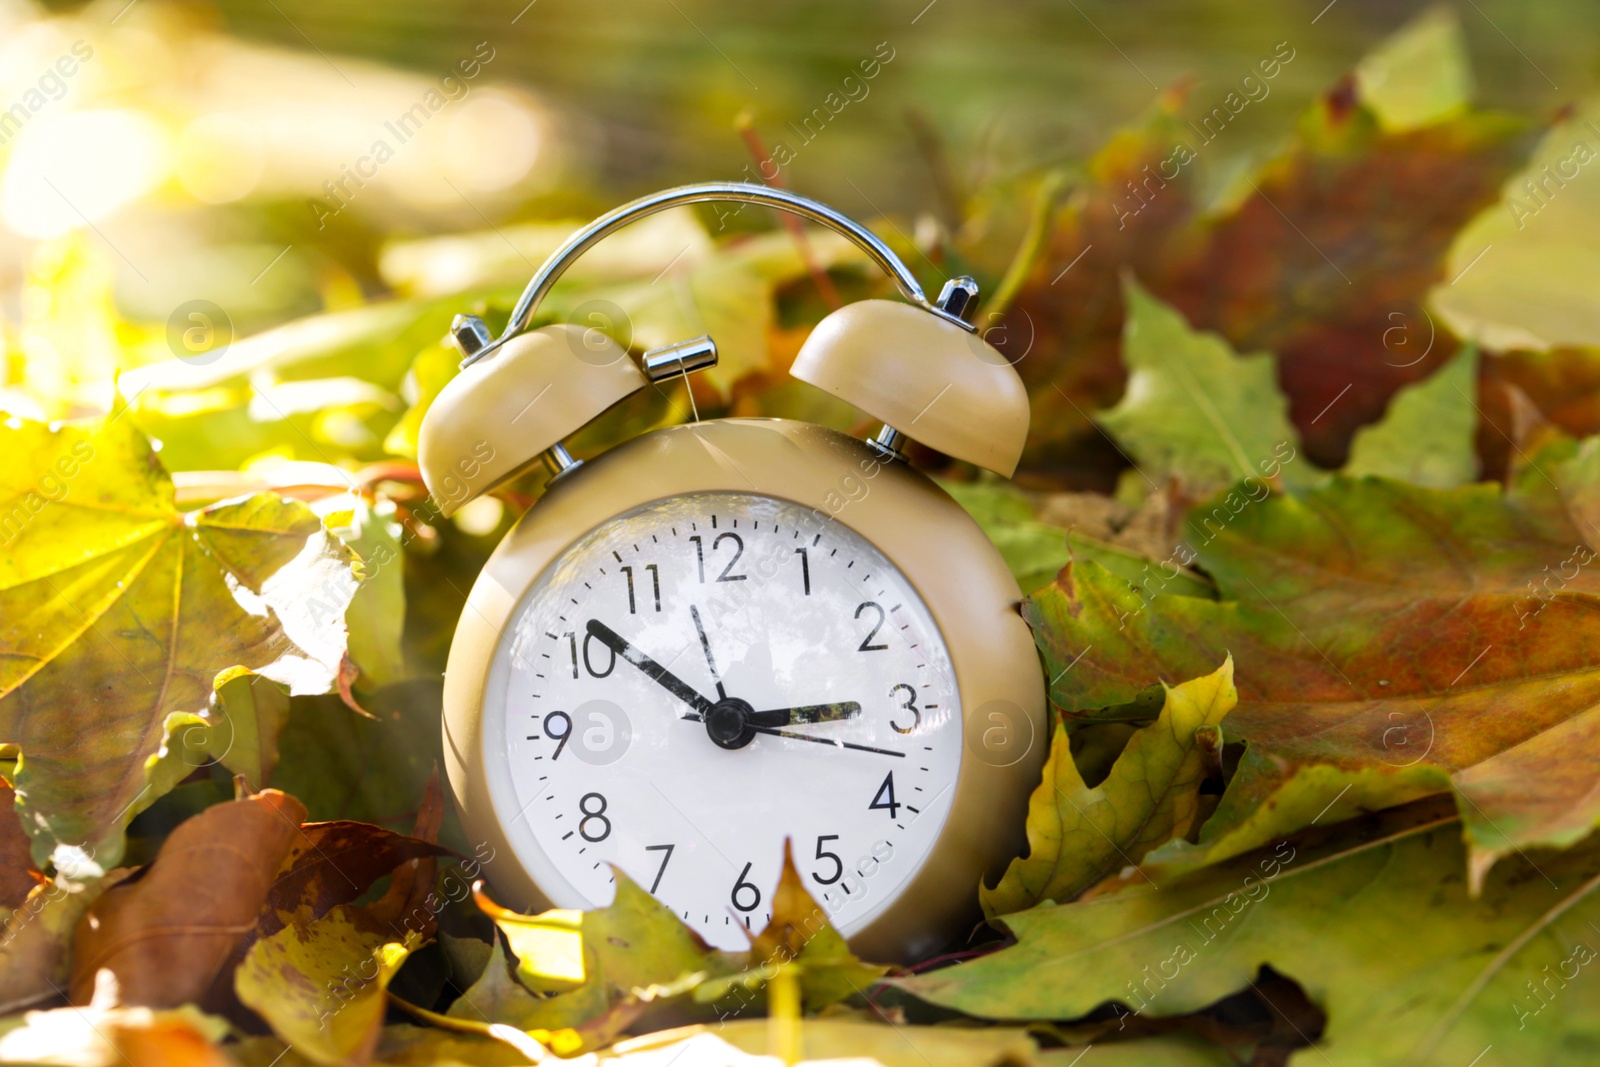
[(908, 518)]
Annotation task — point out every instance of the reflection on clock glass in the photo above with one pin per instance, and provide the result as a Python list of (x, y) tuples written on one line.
[(697, 680)]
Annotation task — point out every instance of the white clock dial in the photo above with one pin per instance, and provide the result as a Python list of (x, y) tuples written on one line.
[(695, 681)]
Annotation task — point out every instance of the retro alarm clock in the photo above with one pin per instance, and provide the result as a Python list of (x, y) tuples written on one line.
[(728, 633)]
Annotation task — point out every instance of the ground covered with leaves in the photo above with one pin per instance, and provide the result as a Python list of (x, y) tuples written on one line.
[(1306, 524)]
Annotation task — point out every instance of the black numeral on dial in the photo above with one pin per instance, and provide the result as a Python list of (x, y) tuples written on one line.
[(884, 797), (805, 570), (727, 574), (742, 886), (866, 642), (910, 705), (597, 815), (838, 864), (666, 859), (588, 664), (566, 731), (655, 586)]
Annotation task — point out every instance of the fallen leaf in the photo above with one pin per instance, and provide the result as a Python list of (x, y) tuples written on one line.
[(745, 1043), (1194, 410), (409, 899), (1035, 549), (1077, 836), (115, 1037), (496, 1003), (320, 985), (595, 972), (401, 1045), (18, 876), (1426, 436), (1354, 612), (1517, 275), (164, 942), (588, 965), (249, 713), (36, 940), (375, 614), (1420, 75), (799, 936), (346, 767), (112, 599), (1325, 259), (333, 863), (1375, 922), (1120, 218)]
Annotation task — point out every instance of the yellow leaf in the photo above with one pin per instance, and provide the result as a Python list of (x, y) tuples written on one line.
[(1077, 836), (320, 985)]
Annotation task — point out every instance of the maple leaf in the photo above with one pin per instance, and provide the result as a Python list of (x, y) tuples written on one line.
[(162, 943), (1195, 411), (1426, 435), (1078, 835), (321, 985), (1390, 642), (113, 599), (1374, 921), (1323, 258)]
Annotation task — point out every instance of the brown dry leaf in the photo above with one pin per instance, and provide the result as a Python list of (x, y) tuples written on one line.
[(1070, 309), (36, 937), (333, 863), (167, 932), (329, 864), (18, 877), (1323, 258), (413, 881)]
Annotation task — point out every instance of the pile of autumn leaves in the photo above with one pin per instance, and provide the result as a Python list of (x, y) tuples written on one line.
[(1325, 720)]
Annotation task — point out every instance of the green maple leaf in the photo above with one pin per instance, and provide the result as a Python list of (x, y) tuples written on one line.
[(1390, 642), (1077, 836), (118, 612), (1426, 437), (1377, 925), (1193, 409)]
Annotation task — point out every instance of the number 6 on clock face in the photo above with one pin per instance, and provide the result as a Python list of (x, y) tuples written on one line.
[(695, 681)]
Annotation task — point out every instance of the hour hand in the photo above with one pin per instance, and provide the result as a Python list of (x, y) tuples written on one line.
[(810, 713), (653, 670)]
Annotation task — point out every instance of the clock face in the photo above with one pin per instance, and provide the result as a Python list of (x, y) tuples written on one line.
[(697, 680)]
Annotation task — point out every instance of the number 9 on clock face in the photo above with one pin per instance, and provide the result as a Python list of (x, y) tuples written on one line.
[(695, 681)]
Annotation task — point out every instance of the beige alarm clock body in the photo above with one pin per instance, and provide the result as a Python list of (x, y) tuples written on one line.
[(724, 635)]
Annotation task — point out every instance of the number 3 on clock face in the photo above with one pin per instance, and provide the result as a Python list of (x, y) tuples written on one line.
[(695, 681)]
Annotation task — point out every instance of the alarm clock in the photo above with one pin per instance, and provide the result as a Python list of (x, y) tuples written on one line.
[(725, 635)]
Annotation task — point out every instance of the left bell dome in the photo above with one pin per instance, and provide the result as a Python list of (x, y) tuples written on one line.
[(502, 412)]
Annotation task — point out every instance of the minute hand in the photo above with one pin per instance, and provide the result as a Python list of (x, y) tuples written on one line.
[(653, 670)]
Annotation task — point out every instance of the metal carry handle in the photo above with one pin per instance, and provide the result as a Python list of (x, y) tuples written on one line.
[(738, 192)]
